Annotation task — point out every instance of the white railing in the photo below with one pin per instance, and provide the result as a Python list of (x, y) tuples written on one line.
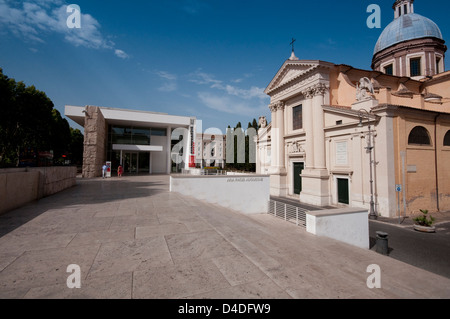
[(290, 213)]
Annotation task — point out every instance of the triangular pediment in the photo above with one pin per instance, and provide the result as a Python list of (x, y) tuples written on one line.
[(293, 71), (289, 72)]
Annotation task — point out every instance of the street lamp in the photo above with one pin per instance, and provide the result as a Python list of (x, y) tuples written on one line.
[(364, 113)]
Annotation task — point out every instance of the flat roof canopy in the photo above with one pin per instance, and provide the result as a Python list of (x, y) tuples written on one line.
[(137, 148), (130, 117)]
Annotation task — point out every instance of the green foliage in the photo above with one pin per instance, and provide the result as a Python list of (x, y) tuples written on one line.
[(29, 121), (76, 146), (247, 166), (424, 220)]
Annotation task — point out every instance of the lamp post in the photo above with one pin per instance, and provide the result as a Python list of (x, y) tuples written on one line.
[(364, 113)]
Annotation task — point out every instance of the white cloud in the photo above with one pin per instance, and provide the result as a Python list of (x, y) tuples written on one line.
[(202, 78), (168, 87), (166, 75), (33, 20), (231, 105), (230, 98), (170, 83), (253, 92), (121, 54)]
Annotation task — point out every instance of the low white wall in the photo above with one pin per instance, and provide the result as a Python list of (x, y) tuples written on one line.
[(247, 194), (349, 225)]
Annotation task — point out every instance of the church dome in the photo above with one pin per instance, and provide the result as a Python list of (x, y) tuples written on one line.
[(407, 27)]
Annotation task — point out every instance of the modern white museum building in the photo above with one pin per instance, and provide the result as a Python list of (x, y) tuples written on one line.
[(142, 142)]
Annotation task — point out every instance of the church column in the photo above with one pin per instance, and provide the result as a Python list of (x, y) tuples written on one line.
[(274, 130), (280, 141), (319, 134), (308, 124), (315, 177), (277, 171)]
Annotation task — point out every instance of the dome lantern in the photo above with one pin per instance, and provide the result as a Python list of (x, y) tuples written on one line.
[(402, 7)]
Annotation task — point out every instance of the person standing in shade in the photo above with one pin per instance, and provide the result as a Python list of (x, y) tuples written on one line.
[(120, 171), (104, 168)]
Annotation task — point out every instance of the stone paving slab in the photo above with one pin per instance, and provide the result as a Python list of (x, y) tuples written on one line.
[(132, 238)]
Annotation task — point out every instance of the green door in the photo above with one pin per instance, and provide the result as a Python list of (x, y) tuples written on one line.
[(298, 168), (343, 195)]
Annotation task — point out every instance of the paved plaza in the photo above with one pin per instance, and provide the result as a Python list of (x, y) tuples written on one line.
[(132, 238)]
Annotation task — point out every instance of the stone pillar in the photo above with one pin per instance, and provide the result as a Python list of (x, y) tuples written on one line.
[(319, 124), (315, 177), (278, 186), (94, 142), (308, 125), (168, 150), (274, 133), (280, 137)]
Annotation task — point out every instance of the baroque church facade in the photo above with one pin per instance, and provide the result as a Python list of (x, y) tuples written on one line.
[(379, 139)]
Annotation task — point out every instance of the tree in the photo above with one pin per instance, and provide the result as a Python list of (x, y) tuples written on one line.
[(76, 146), (29, 123), (247, 166)]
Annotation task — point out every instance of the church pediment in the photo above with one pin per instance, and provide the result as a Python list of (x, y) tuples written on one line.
[(291, 72)]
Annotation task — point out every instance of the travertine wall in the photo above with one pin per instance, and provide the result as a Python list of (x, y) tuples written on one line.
[(94, 142), (248, 194), (21, 186)]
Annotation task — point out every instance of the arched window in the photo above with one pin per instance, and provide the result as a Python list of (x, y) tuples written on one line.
[(447, 139), (419, 136)]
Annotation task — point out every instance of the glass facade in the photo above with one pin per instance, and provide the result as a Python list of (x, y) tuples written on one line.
[(133, 162), (133, 135)]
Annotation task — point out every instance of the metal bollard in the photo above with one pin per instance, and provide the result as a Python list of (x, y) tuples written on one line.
[(382, 243)]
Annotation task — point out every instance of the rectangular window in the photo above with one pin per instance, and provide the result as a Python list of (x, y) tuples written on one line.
[(438, 61), (140, 136), (389, 69), (297, 117), (405, 9), (158, 132), (415, 67)]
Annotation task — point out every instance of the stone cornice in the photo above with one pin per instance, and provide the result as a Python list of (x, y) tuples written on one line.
[(311, 67)]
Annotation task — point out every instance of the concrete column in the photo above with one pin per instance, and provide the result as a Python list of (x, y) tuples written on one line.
[(168, 149), (308, 125), (319, 134)]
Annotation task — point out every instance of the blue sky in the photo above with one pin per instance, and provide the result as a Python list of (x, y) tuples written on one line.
[(205, 58)]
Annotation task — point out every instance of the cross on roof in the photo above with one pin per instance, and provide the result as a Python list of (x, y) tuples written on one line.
[(292, 43)]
